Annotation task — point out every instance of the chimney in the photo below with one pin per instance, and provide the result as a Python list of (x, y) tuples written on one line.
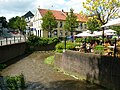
[(62, 10), (39, 7)]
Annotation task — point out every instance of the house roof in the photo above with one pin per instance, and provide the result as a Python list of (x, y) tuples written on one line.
[(57, 14), (81, 18), (28, 14), (61, 15)]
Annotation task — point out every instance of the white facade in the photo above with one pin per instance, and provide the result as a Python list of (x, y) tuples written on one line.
[(37, 24), (59, 31)]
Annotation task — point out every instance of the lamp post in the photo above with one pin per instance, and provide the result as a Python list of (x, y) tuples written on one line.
[(115, 48), (65, 39), (103, 35)]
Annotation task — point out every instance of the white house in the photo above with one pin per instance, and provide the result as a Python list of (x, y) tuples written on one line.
[(60, 17), (28, 16)]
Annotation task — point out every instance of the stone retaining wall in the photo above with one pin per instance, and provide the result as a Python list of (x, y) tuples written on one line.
[(103, 70), (8, 52)]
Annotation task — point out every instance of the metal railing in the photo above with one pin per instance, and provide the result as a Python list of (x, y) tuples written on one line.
[(12, 40)]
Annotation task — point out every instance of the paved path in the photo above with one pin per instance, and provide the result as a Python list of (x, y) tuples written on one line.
[(40, 76)]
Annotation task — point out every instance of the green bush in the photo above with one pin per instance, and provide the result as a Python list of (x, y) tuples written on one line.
[(70, 46), (79, 39), (99, 49), (33, 40), (53, 40), (88, 39), (40, 41), (15, 83), (60, 46)]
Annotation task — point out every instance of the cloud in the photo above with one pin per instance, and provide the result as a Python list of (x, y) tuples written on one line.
[(61, 4), (12, 8)]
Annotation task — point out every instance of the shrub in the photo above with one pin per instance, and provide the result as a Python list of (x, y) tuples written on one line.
[(99, 49), (79, 39), (37, 41), (70, 46), (53, 40), (33, 40), (60, 46), (15, 83)]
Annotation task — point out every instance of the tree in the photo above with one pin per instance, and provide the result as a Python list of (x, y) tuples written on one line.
[(17, 23), (3, 21), (93, 24), (49, 22), (71, 22), (103, 9)]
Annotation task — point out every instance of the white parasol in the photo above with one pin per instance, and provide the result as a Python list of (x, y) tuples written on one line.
[(84, 34), (115, 22)]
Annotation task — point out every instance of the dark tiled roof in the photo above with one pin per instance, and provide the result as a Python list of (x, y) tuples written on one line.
[(28, 14)]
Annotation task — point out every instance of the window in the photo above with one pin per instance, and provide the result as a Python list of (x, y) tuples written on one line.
[(81, 25), (55, 32), (40, 33), (66, 33), (61, 24), (85, 26), (61, 33)]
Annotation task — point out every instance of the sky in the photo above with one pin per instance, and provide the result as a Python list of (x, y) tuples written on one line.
[(12, 8)]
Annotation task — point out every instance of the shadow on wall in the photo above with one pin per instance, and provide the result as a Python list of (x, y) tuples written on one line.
[(16, 59), (105, 70)]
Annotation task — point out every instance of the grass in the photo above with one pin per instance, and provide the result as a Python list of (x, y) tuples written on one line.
[(49, 60)]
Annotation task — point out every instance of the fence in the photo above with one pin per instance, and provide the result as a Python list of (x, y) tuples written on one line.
[(12, 40)]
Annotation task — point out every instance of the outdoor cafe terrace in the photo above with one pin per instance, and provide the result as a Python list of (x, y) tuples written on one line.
[(93, 43)]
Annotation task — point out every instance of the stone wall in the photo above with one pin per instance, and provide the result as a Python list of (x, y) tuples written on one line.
[(8, 52), (103, 70)]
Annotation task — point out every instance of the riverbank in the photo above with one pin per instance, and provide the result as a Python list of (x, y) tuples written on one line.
[(40, 76)]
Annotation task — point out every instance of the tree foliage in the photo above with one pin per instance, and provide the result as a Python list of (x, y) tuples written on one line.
[(116, 28), (103, 9), (93, 24), (17, 23), (71, 21), (3, 21), (49, 22)]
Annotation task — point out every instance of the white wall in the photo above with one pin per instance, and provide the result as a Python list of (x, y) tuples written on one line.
[(37, 24)]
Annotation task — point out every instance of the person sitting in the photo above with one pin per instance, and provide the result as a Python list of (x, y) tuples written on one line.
[(88, 47), (107, 44)]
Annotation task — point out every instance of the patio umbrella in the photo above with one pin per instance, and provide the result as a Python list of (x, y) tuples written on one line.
[(109, 31), (115, 22), (84, 34), (97, 33)]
